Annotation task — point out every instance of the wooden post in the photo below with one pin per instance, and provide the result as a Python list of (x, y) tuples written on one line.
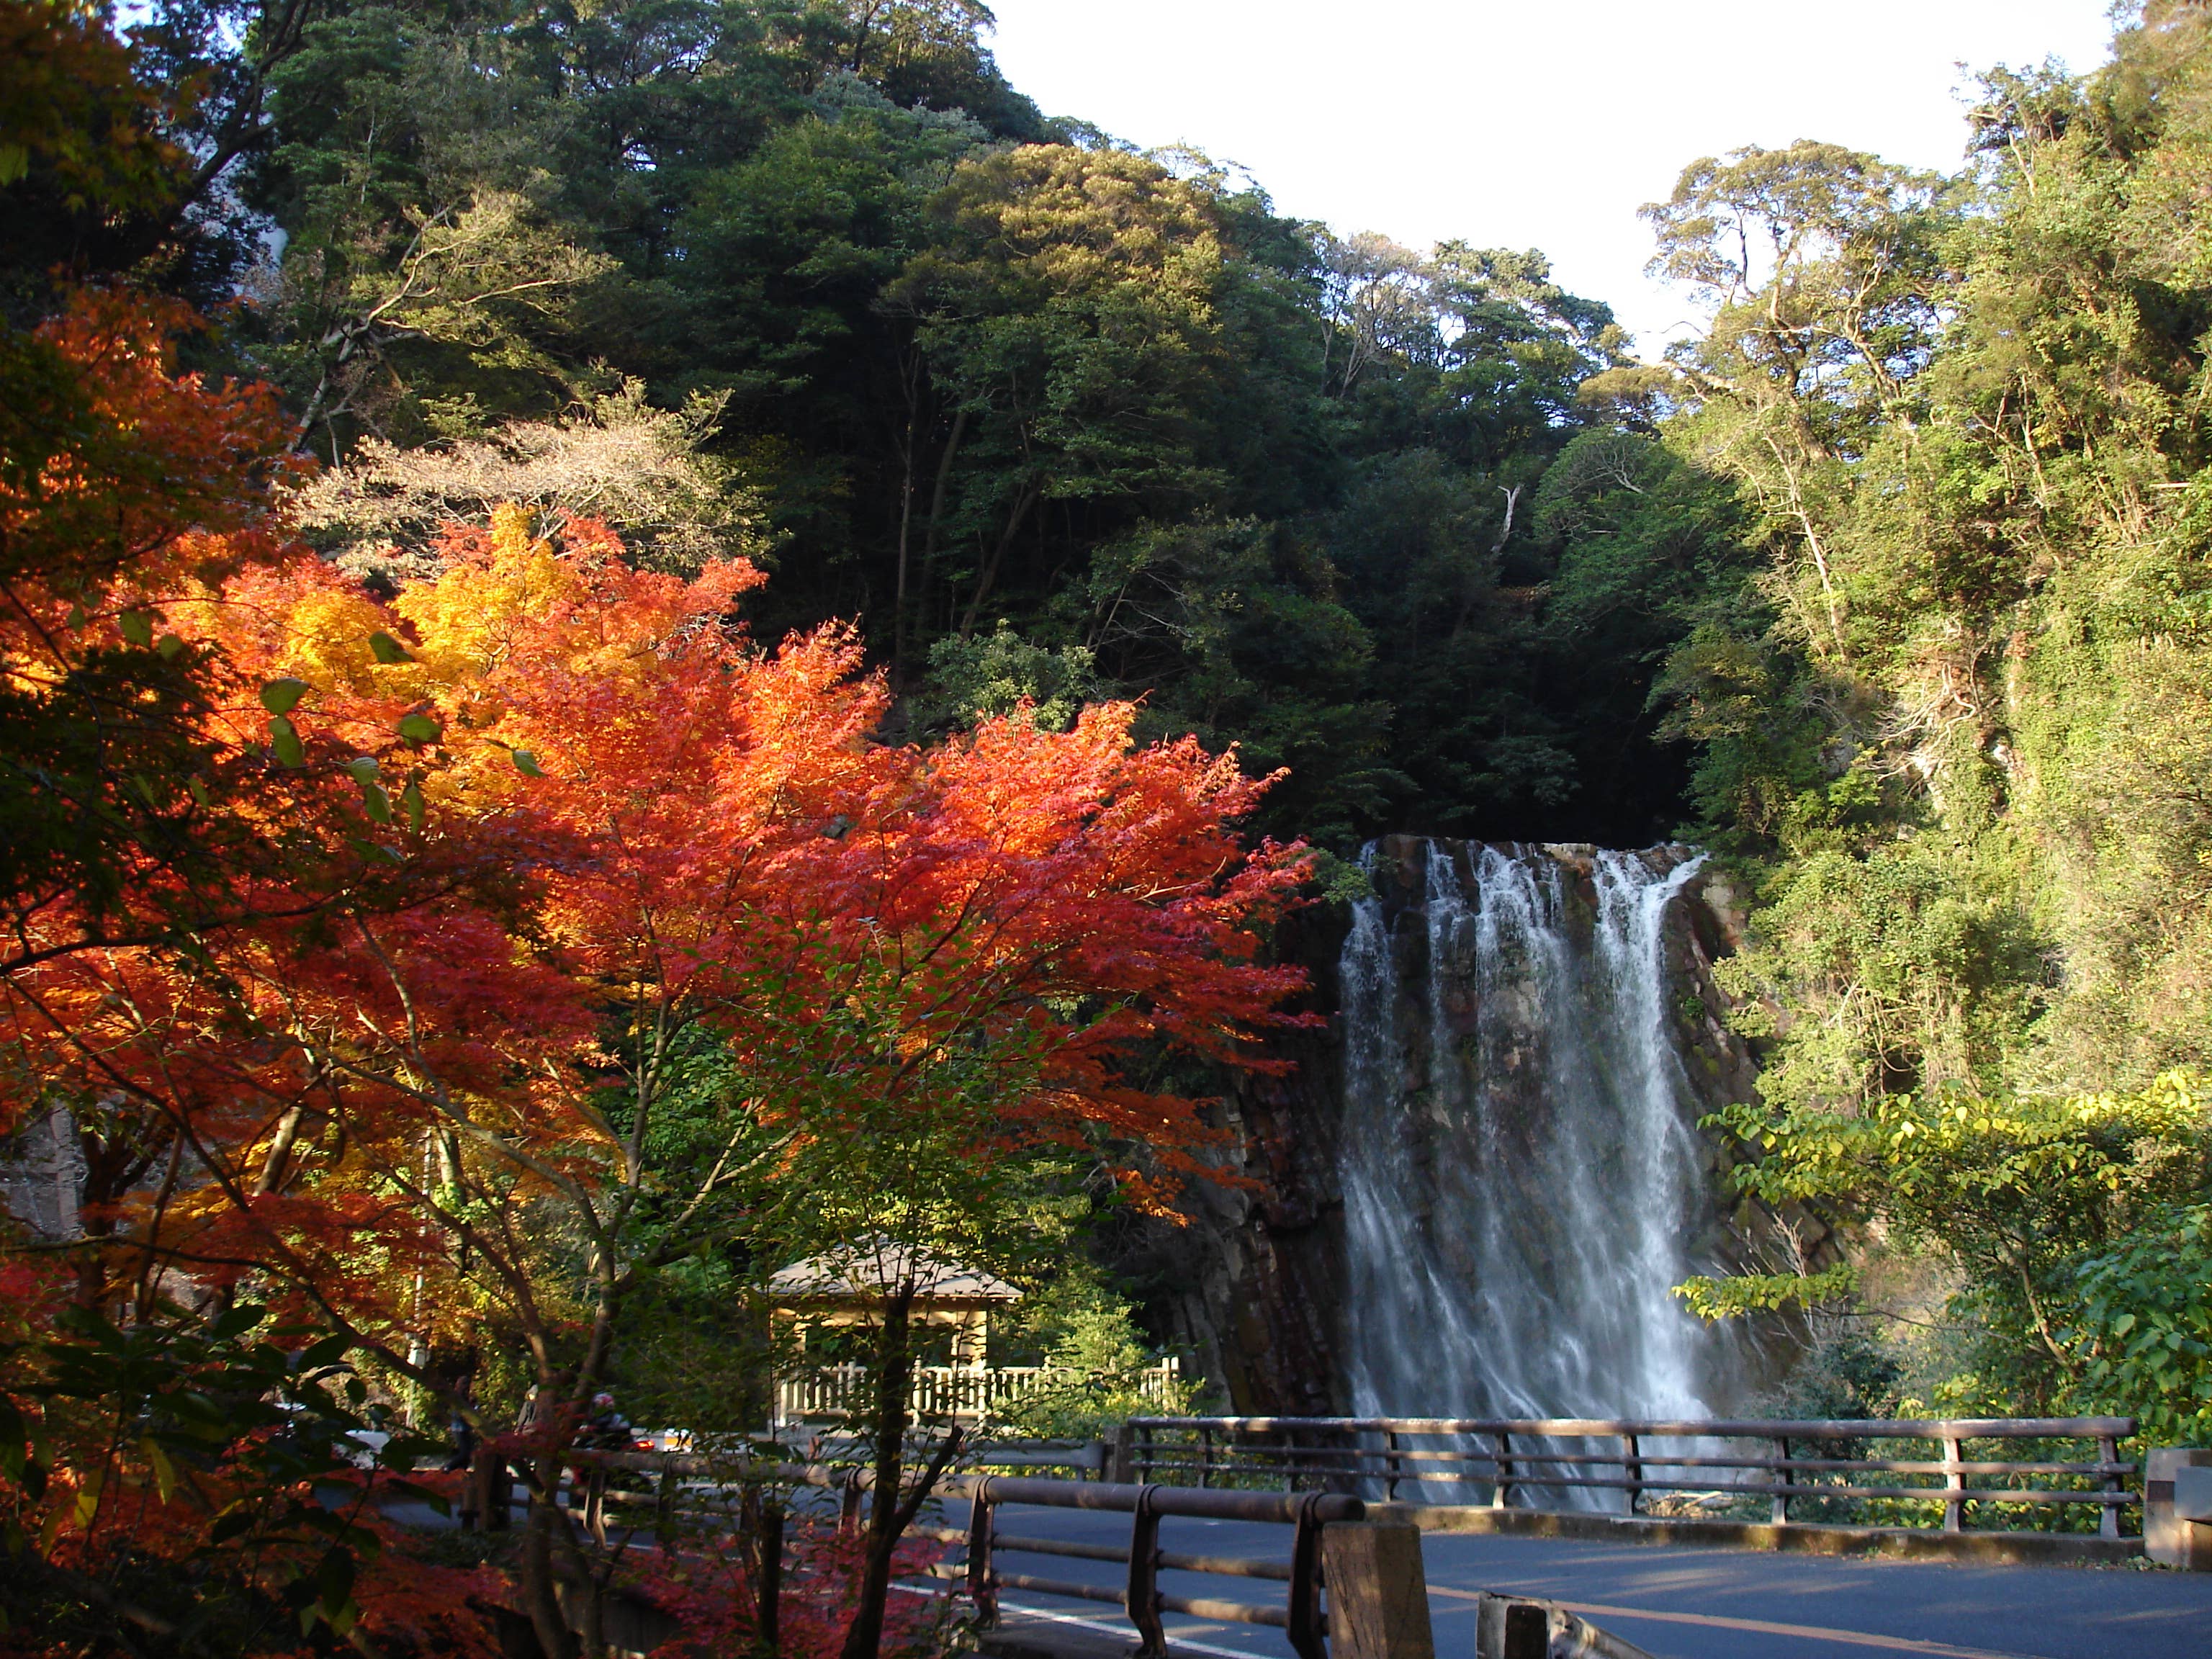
[(1501, 1494), (1205, 1457), (1391, 1464), (1305, 1625), (1632, 1467), (1789, 1479), (1954, 1482), (2108, 1451), (1144, 1593), (849, 1508), (1378, 1594), (981, 1589)]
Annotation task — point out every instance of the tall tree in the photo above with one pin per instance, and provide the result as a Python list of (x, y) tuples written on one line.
[(608, 829)]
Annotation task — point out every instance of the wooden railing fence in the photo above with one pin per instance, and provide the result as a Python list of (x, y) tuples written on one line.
[(1784, 1461), (963, 1393)]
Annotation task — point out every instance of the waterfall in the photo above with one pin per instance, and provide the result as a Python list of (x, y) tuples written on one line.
[(1521, 1171)]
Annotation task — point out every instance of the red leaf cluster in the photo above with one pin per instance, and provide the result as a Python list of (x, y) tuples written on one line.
[(383, 968)]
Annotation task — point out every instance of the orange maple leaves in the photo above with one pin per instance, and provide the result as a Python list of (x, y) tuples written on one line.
[(517, 823), (375, 922)]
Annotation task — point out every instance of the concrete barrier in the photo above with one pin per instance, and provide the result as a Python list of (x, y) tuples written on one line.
[(2177, 1507)]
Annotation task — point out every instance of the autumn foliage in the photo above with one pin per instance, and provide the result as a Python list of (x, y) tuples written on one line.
[(366, 925)]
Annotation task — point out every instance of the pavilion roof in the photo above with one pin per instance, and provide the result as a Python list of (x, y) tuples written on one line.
[(869, 1271)]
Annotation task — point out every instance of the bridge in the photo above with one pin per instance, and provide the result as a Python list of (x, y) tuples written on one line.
[(1974, 1539), (1684, 1602), (1960, 1537)]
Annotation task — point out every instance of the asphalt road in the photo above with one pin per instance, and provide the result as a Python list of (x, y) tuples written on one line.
[(1682, 1603)]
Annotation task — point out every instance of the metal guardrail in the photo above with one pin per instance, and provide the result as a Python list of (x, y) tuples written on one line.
[(1516, 1454), (1141, 1596)]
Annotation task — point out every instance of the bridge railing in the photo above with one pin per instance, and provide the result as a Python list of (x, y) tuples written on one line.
[(706, 1493), (1987, 1464)]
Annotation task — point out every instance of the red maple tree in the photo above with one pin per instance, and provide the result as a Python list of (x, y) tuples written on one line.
[(519, 835)]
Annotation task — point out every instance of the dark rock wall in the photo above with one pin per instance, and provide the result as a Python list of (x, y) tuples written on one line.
[(1250, 1286)]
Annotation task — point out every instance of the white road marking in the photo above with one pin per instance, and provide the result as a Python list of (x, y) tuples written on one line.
[(1127, 1632), (1767, 1628)]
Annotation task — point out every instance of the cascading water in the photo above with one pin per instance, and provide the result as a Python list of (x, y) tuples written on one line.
[(1520, 1172)]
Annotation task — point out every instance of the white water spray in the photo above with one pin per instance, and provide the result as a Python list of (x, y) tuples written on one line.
[(1520, 1168)]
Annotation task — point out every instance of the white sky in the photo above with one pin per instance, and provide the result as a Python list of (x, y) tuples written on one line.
[(1541, 124)]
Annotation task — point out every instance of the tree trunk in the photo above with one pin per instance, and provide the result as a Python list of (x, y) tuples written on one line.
[(936, 514), (905, 536), (768, 1577), (541, 1596), (894, 1377), (983, 583)]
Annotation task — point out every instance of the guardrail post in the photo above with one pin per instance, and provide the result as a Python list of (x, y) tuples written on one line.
[(1954, 1481), (1789, 1479), (1306, 1627), (982, 1589), (1378, 1594), (1632, 1467), (1120, 1463), (1391, 1464), (1205, 1457), (848, 1505), (1144, 1593), (1501, 1494), (2108, 1451)]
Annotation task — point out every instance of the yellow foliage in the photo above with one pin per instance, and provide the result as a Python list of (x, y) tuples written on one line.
[(327, 645), (465, 622)]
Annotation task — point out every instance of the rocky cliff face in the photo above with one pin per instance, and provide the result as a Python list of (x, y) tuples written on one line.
[(1252, 1285), (1256, 1283)]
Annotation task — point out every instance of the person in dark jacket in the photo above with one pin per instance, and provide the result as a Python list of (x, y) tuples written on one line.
[(607, 1428), (465, 1442)]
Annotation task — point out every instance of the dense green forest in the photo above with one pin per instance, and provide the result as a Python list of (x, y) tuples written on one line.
[(1960, 720), (1896, 569), (1048, 416), (1894, 586)]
